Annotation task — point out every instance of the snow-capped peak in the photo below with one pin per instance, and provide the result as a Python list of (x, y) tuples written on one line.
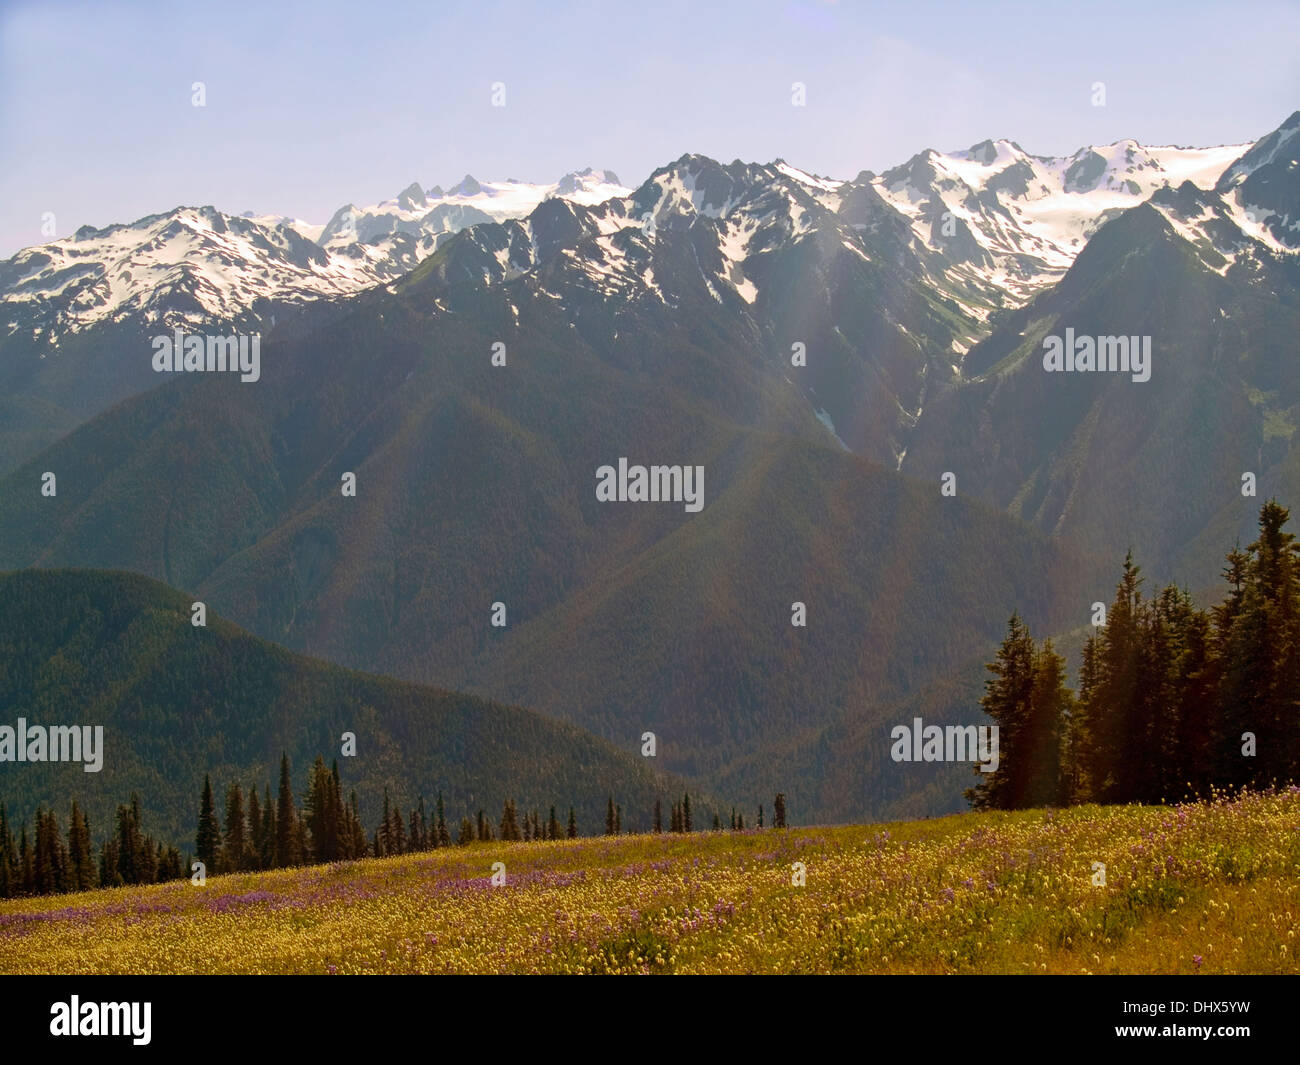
[(1014, 222)]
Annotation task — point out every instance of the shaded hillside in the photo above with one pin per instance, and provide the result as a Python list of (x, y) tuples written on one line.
[(177, 701)]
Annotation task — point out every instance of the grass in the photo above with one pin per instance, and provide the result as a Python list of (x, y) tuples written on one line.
[(1204, 887)]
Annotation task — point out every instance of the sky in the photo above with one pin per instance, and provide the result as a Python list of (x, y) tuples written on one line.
[(310, 106)]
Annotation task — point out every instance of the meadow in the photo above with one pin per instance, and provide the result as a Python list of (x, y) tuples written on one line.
[(1210, 887)]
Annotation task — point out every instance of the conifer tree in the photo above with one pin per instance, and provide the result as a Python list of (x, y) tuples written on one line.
[(270, 831), (1006, 700), (286, 819), (358, 848), (323, 812), (256, 831), (47, 865), (398, 833), (658, 818), (130, 844), (234, 855), (573, 825), (509, 823), (384, 837), (207, 839), (82, 873), (444, 836)]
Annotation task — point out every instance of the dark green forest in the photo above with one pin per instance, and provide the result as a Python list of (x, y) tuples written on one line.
[(1174, 702), (178, 702)]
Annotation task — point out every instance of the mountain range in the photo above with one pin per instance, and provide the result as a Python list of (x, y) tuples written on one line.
[(831, 352)]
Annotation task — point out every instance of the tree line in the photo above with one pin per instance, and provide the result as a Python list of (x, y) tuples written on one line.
[(44, 862), (1173, 701), (252, 833)]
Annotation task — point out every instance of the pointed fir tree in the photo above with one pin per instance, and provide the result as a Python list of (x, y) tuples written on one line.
[(83, 874), (444, 835), (233, 856), (207, 838), (286, 819)]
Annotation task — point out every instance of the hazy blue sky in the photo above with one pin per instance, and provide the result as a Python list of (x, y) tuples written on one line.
[(313, 105)]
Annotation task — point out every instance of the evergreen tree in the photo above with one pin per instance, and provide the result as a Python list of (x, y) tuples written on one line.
[(444, 836), (1112, 753), (286, 820), (658, 818), (358, 832), (509, 823), (82, 872), (686, 814), (270, 831), (553, 826), (1007, 696), (256, 831), (384, 838), (1200, 734), (147, 869), (396, 834), (609, 816), (48, 862), (1262, 652), (573, 825), (207, 839), (324, 813), (130, 844), (778, 811), (234, 855)]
